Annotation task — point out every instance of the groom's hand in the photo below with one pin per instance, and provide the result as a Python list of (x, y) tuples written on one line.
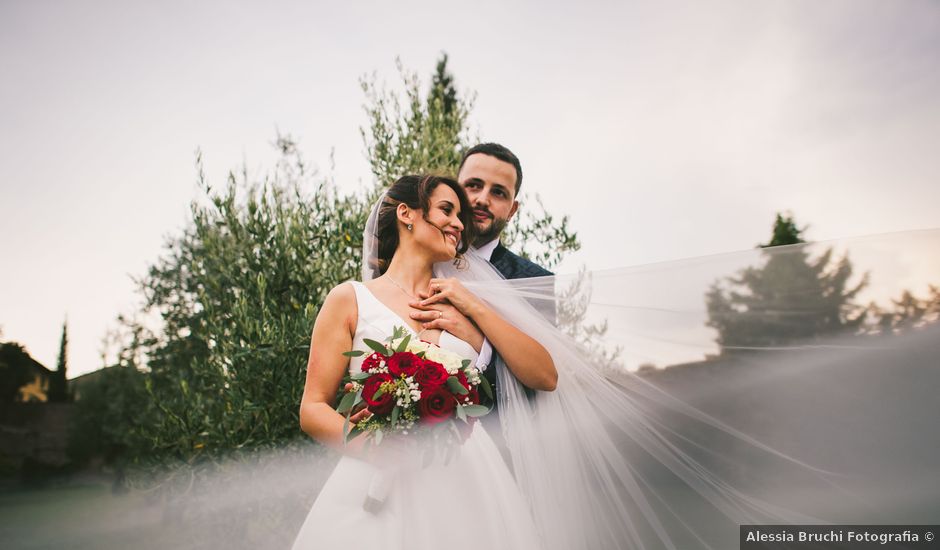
[(444, 316)]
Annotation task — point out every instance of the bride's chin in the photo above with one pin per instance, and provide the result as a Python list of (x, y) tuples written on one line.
[(449, 254)]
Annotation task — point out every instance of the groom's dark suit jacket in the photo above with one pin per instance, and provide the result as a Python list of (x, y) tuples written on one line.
[(512, 266), (515, 267)]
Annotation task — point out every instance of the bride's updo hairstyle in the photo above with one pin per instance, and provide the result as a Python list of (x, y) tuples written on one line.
[(415, 192)]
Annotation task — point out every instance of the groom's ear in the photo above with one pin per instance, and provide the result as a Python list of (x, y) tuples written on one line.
[(512, 210)]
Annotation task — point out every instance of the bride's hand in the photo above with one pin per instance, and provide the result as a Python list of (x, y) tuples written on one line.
[(452, 291)]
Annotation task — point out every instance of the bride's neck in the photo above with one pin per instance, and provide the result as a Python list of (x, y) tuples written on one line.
[(411, 271)]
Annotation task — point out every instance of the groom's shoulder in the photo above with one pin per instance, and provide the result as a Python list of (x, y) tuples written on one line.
[(514, 266)]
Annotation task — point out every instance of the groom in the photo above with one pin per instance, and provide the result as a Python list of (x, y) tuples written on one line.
[(492, 176)]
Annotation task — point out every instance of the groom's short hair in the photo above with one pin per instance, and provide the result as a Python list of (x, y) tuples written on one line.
[(498, 151)]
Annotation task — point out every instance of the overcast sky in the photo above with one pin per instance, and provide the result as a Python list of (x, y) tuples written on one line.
[(664, 129)]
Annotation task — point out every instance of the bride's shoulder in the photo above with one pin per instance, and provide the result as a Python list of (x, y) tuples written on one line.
[(340, 302)]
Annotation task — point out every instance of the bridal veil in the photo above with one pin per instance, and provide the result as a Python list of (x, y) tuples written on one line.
[(791, 385)]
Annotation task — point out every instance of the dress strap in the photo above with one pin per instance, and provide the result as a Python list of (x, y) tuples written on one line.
[(362, 296)]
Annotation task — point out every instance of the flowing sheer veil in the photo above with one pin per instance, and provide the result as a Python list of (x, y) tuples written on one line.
[(743, 388)]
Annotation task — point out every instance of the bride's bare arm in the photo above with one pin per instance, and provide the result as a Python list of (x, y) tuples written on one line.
[(332, 335), (528, 360)]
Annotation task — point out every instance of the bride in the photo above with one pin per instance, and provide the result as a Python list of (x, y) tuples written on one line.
[(471, 501)]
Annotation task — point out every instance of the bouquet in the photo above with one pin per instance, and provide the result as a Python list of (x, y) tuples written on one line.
[(412, 386)]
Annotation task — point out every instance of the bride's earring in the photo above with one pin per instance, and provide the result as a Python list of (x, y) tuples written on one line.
[(409, 227)]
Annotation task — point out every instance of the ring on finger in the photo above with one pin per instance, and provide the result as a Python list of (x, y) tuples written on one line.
[(440, 314)]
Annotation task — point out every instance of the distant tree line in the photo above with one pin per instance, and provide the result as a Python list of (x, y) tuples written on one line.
[(794, 298)]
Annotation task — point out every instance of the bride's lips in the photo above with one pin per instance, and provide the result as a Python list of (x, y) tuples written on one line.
[(452, 236)]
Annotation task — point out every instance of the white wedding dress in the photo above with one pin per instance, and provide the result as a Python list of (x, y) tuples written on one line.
[(472, 502)]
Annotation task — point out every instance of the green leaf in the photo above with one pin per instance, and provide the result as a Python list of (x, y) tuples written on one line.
[(355, 431), (455, 386), (377, 346), (359, 376), (461, 414), (487, 389), (379, 393), (346, 403), (358, 397), (404, 343), (396, 412), (475, 410), (354, 353), (465, 363)]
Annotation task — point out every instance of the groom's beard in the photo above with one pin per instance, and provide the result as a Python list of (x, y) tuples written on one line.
[(492, 232)]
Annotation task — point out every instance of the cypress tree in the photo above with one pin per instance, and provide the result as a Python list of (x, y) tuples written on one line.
[(58, 386)]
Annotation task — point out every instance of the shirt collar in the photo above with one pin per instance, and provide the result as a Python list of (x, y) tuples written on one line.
[(487, 249)]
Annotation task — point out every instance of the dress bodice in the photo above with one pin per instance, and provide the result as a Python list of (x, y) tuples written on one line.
[(376, 321)]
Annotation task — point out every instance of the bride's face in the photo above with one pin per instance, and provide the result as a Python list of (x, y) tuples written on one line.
[(440, 233)]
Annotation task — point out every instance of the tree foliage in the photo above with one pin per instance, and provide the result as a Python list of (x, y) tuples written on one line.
[(58, 383), (16, 370), (110, 405), (905, 312), (428, 132), (417, 133), (791, 298), (236, 293), (785, 232), (536, 234)]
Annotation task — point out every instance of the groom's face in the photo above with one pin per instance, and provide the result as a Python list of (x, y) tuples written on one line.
[(491, 186)]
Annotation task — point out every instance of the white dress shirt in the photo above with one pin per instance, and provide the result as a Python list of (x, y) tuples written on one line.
[(487, 250)]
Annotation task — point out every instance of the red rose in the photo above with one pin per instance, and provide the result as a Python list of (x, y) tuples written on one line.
[(372, 361), (385, 402), (437, 407), (462, 378), (403, 362), (430, 376)]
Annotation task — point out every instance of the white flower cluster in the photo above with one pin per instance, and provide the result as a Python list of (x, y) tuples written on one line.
[(432, 352), (381, 367), (409, 394), (473, 375)]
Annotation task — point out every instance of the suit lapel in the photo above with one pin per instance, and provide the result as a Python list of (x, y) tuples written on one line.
[(500, 260)]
